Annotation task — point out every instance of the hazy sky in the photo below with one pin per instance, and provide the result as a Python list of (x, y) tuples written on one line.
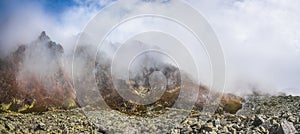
[(260, 38)]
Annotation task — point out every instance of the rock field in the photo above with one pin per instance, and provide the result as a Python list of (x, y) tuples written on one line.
[(260, 114)]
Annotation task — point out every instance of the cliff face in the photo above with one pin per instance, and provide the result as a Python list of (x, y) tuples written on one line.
[(33, 78), (139, 85)]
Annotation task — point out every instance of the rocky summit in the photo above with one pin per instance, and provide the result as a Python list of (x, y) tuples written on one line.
[(33, 78)]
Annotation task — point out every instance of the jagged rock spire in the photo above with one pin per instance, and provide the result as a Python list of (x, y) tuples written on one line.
[(43, 36)]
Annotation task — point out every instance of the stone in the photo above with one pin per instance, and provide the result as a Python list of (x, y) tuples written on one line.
[(287, 127), (225, 130), (263, 129), (223, 122), (175, 131), (217, 122), (235, 128), (2, 127), (186, 130), (274, 122), (208, 127), (232, 130), (292, 119), (258, 120), (196, 125), (213, 132), (10, 126)]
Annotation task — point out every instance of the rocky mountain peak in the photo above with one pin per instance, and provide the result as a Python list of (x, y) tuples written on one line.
[(44, 37), (23, 73), (53, 47)]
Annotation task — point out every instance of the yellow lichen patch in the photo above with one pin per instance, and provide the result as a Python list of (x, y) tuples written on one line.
[(32, 104), (26, 107), (5, 107), (23, 108), (17, 101)]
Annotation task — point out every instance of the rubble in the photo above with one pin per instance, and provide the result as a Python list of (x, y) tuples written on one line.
[(74, 121)]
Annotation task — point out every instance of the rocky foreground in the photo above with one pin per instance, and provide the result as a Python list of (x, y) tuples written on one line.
[(260, 114)]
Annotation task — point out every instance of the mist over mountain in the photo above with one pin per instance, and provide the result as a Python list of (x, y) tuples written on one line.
[(64, 69), (260, 39), (33, 77)]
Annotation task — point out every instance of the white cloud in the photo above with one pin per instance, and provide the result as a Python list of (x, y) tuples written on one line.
[(26, 21), (260, 38), (261, 42)]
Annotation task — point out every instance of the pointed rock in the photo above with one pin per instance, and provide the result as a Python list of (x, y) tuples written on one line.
[(44, 37)]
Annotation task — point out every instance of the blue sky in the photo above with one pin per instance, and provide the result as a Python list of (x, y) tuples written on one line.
[(54, 7), (57, 6), (51, 7)]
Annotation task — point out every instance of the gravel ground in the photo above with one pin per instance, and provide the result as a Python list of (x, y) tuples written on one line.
[(260, 114), (71, 121)]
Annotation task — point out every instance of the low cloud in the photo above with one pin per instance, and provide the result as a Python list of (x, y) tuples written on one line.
[(260, 38)]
